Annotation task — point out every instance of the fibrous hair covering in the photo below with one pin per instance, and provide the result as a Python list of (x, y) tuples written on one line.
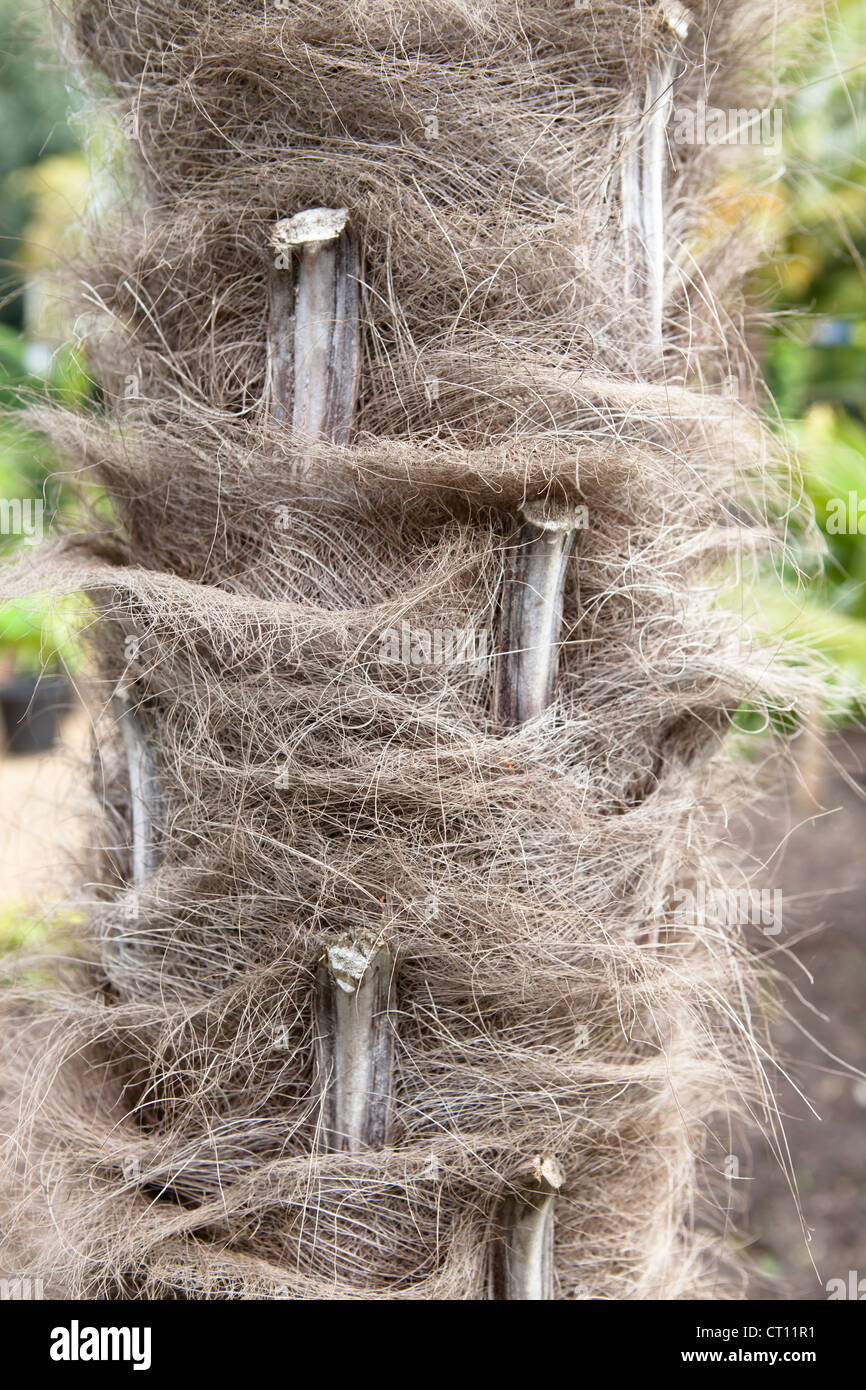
[(409, 711)]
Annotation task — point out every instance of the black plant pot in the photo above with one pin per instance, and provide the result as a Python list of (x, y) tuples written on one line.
[(32, 709)]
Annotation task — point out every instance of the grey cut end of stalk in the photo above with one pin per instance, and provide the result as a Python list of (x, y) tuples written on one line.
[(676, 17), (521, 1260), (355, 1042), (313, 348), (530, 616)]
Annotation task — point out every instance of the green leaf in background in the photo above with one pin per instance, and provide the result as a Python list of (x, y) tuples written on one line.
[(34, 103), (39, 634), (816, 279), (832, 450)]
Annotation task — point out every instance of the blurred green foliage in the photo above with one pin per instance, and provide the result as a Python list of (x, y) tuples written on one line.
[(34, 107), (39, 634), (815, 349), (17, 928), (817, 278), (832, 449), (55, 931), (40, 186), (34, 634)]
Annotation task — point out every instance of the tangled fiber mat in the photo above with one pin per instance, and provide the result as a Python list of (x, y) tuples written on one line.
[(298, 635)]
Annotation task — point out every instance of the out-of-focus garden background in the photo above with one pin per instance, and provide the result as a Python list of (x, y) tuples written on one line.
[(43, 186), (809, 197)]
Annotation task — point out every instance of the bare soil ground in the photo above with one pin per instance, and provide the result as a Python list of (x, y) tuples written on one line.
[(41, 820), (822, 873)]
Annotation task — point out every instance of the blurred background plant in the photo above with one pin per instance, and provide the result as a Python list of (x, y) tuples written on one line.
[(43, 190), (814, 347), (34, 110)]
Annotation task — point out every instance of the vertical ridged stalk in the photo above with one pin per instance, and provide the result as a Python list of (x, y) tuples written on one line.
[(314, 356), (141, 774), (530, 614), (143, 799), (521, 1264), (313, 371), (643, 174), (355, 1043)]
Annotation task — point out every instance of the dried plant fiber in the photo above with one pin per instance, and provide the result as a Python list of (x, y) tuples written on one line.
[(309, 782)]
